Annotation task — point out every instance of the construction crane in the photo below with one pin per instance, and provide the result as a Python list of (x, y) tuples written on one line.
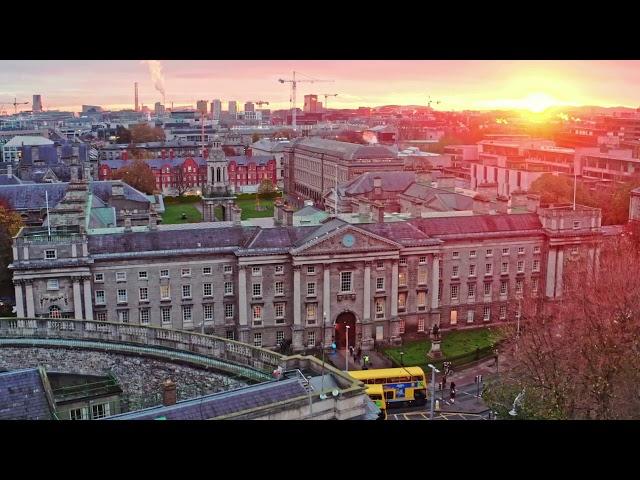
[(260, 103), (16, 103), (429, 102), (327, 95), (294, 84)]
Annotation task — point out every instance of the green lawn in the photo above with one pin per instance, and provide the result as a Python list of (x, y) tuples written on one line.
[(247, 202), (173, 214), (454, 344)]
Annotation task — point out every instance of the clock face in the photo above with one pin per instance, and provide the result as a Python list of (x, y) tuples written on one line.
[(348, 240)]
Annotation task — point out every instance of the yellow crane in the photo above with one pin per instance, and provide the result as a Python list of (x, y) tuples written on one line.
[(294, 83), (16, 103), (327, 95)]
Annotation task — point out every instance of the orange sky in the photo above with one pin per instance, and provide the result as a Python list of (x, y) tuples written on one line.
[(476, 84)]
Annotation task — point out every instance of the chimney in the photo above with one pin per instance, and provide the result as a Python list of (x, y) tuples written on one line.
[(364, 210), (501, 204), (518, 199), (481, 204), (277, 211), (9, 170), (117, 189), (169, 394), (153, 219), (236, 215), (447, 182), (127, 221), (488, 190), (288, 215), (377, 212), (533, 202), (377, 186)]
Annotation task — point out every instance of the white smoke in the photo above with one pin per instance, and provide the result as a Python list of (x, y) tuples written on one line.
[(155, 69), (369, 137)]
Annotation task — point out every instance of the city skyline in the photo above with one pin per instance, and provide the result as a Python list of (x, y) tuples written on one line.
[(457, 84)]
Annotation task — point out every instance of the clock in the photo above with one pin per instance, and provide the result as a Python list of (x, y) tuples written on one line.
[(348, 240)]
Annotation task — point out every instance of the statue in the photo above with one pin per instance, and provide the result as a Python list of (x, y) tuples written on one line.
[(435, 351), (435, 332)]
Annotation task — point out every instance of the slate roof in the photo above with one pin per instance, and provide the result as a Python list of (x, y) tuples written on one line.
[(269, 145), (23, 396), (102, 189), (444, 226), (155, 163), (221, 404), (282, 237), (12, 180), (20, 140), (391, 182), (345, 150), (245, 159), (454, 201), (403, 233), (322, 230)]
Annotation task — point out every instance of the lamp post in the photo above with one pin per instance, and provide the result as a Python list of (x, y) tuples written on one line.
[(434, 370), (402, 359), (324, 324), (346, 353)]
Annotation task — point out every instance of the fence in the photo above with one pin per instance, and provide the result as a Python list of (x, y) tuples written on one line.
[(457, 361)]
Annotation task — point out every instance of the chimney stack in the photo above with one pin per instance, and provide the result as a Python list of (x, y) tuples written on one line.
[(9, 170), (288, 215), (169, 394), (127, 221), (377, 186), (153, 219)]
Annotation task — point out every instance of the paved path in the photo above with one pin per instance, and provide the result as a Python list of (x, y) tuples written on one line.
[(376, 360)]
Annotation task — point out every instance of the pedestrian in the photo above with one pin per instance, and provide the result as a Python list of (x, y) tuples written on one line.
[(452, 393), (358, 354)]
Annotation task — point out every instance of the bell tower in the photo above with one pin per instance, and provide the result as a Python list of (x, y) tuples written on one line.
[(216, 194)]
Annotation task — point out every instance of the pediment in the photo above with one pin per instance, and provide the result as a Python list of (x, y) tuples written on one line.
[(346, 240)]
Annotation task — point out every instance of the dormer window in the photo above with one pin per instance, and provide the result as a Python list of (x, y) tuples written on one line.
[(50, 255)]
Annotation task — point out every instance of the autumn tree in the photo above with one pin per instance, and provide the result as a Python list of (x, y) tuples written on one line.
[(580, 358), (123, 135), (139, 175), (553, 188), (266, 187), (10, 223), (180, 180), (142, 133)]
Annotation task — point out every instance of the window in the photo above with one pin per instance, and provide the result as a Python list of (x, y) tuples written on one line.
[(311, 289), (279, 337), (100, 297), (520, 250), (455, 254), (421, 300), (472, 254), (402, 301), (536, 249), (257, 314), (422, 260), (401, 327), (165, 293), (440, 291), (279, 270), (470, 314), (144, 294), (345, 281), (144, 316), (101, 316), (488, 268), (50, 255), (454, 292), (186, 314), (574, 251), (534, 285), (472, 270), (519, 287), (279, 309), (122, 295), (256, 290), (487, 289), (402, 279), (164, 273), (185, 272), (143, 276), (207, 289), (380, 283), (206, 270), (505, 251), (121, 276), (503, 312), (165, 313), (311, 269), (440, 270), (503, 287), (228, 310), (453, 317), (536, 265), (100, 410), (489, 252), (257, 339), (311, 312), (228, 288), (279, 288), (520, 266), (98, 278), (454, 272), (576, 225), (123, 316), (379, 307), (403, 261), (486, 314), (379, 264), (472, 291), (186, 291), (79, 414), (256, 271), (231, 335), (421, 324), (311, 339), (228, 269), (53, 284), (505, 267), (422, 276)]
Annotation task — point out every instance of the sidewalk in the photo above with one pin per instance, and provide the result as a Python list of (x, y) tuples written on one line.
[(376, 360)]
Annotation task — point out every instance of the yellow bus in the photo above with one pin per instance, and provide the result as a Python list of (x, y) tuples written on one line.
[(376, 394), (401, 386)]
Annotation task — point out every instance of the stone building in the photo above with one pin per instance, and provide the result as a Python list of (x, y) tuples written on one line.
[(264, 285)]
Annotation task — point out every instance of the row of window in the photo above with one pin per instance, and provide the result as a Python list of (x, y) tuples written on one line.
[(520, 268), (504, 289), (164, 273), (486, 314), (165, 314), (165, 292)]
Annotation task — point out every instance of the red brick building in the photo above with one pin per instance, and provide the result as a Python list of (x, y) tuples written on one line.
[(250, 170)]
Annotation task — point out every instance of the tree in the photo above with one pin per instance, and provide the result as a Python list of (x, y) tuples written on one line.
[(139, 175), (181, 183), (266, 187), (10, 223), (580, 359), (122, 135), (142, 133), (553, 188)]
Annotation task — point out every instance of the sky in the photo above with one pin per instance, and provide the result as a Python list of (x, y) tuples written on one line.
[(457, 84)]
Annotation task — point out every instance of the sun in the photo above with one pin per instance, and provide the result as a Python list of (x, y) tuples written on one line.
[(538, 102)]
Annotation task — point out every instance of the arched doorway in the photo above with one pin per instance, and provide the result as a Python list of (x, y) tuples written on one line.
[(345, 319)]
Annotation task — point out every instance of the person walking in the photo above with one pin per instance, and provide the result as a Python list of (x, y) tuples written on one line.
[(352, 351), (358, 354), (452, 393)]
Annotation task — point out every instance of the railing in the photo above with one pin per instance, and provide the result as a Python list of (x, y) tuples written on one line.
[(229, 352)]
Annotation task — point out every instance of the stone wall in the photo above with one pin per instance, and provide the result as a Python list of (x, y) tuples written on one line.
[(140, 378)]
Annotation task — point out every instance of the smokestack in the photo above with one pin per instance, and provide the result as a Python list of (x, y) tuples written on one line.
[(136, 94), (169, 394)]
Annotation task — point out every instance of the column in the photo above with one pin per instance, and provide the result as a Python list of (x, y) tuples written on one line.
[(560, 264), (88, 299), (297, 320), (77, 298), (551, 272), (326, 301), (435, 281), (242, 295), (19, 300), (367, 292), (394, 289), (31, 308)]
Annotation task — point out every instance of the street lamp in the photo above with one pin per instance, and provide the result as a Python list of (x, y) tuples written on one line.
[(402, 359), (346, 353), (434, 370)]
